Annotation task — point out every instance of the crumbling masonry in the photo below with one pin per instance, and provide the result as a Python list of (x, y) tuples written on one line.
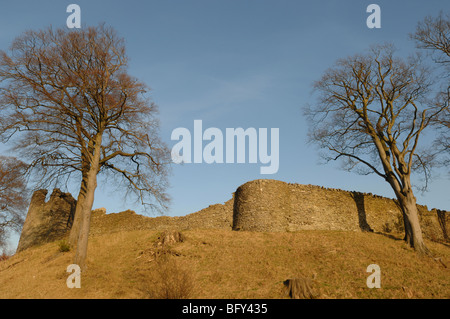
[(260, 205)]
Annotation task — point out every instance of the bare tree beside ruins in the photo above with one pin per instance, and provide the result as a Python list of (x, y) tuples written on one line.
[(71, 108), (370, 113), (433, 35), (14, 197)]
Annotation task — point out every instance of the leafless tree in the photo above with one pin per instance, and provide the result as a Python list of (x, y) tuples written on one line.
[(71, 108), (433, 35), (371, 111), (14, 196)]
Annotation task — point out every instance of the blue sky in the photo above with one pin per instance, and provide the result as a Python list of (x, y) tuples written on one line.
[(238, 63)]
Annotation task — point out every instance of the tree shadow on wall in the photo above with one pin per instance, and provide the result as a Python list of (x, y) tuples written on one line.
[(441, 216), (359, 201)]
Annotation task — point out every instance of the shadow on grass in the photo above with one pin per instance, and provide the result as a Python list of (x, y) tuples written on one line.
[(390, 236)]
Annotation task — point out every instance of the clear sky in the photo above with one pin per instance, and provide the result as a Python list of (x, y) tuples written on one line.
[(238, 63)]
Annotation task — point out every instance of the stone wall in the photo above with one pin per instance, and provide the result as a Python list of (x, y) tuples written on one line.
[(260, 205), (217, 216), (270, 205), (47, 221)]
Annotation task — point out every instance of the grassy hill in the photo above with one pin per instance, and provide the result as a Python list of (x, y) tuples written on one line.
[(212, 263)]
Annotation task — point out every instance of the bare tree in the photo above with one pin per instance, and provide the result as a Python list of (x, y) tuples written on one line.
[(72, 109), (14, 196), (433, 35), (370, 113)]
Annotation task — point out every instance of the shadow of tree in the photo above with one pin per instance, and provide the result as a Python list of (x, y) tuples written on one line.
[(442, 219), (359, 201), (389, 236)]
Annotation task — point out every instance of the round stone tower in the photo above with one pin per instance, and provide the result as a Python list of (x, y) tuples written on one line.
[(262, 205)]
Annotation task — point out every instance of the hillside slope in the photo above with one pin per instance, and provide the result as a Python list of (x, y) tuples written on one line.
[(220, 263)]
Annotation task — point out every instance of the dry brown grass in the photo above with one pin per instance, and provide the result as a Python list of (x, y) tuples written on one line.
[(227, 264), (167, 279)]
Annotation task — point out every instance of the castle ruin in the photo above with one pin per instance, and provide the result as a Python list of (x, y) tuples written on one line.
[(47, 221), (261, 205), (271, 205)]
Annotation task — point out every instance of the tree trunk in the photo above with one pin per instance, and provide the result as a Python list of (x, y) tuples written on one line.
[(413, 231), (408, 205), (86, 207), (77, 220), (408, 230), (78, 216), (83, 234)]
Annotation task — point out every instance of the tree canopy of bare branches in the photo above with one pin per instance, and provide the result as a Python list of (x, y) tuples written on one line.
[(14, 196), (433, 35), (370, 113), (70, 108)]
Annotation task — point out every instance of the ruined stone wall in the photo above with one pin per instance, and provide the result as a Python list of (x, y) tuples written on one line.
[(217, 216), (47, 221), (260, 205), (270, 205)]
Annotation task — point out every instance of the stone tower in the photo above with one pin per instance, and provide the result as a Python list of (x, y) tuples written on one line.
[(47, 221), (262, 205)]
